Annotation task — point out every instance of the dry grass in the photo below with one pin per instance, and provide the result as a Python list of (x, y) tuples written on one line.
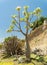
[(36, 60)]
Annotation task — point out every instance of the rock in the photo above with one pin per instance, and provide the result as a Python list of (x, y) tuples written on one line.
[(21, 60)]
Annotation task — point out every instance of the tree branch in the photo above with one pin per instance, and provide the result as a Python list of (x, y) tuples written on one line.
[(16, 30), (31, 18), (19, 24), (27, 24), (16, 20)]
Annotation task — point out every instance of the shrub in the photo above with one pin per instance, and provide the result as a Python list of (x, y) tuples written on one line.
[(13, 46), (1, 46), (38, 22)]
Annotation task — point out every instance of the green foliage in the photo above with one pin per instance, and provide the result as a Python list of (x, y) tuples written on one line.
[(26, 7), (16, 22), (11, 28), (37, 11), (14, 16), (13, 22), (18, 8), (1, 45), (22, 19), (38, 22)]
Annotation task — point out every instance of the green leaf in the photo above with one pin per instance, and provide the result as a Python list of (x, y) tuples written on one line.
[(10, 28), (18, 8), (31, 25), (38, 9), (13, 22), (21, 19), (25, 19), (25, 26), (34, 12), (14, 16), (24, 13), (26, 7)]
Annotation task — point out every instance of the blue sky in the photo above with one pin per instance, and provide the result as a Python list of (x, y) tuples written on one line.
[(7, 8)]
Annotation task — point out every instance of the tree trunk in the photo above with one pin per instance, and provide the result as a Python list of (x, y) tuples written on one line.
[(27, 49)]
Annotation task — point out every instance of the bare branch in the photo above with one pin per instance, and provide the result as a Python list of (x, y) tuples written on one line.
[(16, 20), (19, 23), (31, 18), (16, 30), (17, 26), (19, 31)]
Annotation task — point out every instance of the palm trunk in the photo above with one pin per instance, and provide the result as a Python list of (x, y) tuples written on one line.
[(27, 49)]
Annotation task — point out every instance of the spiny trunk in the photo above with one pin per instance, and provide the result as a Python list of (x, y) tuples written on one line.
[(27, 49)]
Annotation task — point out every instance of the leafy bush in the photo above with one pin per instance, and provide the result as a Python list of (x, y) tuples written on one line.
[(38, 22), (13, 46), (1, 46)]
